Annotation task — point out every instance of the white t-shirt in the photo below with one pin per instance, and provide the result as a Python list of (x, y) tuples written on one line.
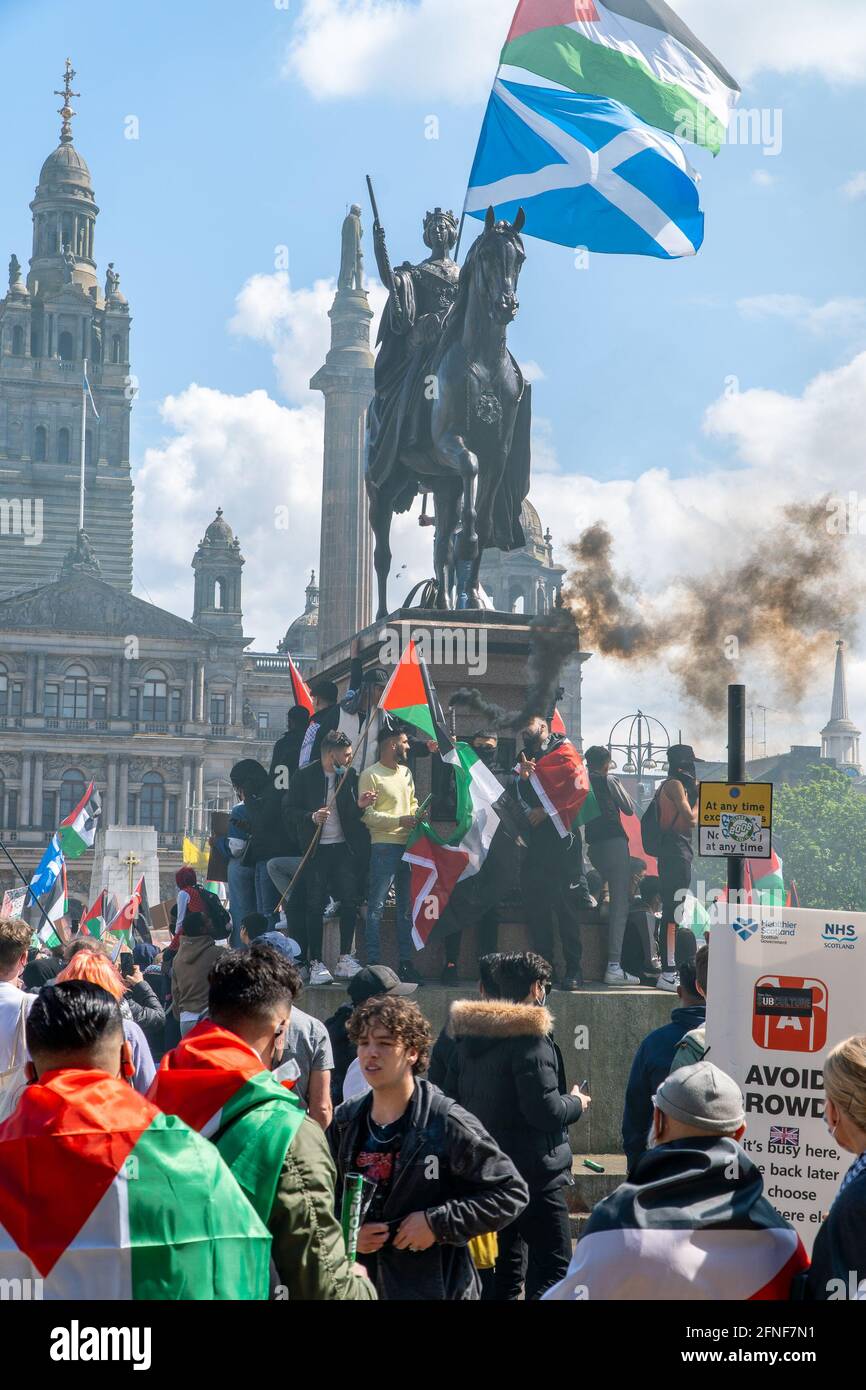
[(332, 830), (12, 1001)]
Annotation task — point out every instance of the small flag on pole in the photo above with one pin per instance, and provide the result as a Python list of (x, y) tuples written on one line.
[(90, 393), (78, 832)]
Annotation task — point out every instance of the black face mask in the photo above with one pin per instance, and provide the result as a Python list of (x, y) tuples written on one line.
[(487, 756), (532, 744)]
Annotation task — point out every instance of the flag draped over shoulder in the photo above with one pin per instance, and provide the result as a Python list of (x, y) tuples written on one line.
[(410, 696), (78, 832), (103, 1197), (583, 126), (219, 1086), (690, 1224)]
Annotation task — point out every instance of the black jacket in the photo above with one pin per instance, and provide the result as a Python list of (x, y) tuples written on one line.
[(267, 836), (507, 1070), (839, 1258), (308, 792), (652, 1063), (449, 1168), (547, 852), (343, 1049), (287, 751)]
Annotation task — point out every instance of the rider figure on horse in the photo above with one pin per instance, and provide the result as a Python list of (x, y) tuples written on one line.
[(419, 299)]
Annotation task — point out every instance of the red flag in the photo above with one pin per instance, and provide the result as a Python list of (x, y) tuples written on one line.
[(435, 870), (631, 826), (561, 783), (122, 924), (300, 689)]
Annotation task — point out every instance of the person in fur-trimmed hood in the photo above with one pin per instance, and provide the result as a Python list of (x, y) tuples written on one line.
[(507, 1070)]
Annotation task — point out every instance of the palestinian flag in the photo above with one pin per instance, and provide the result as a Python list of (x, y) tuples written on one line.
[(410, 696), (447, 874), (793, 898), (103, 1197), (764, 881), (218, 1085), (690, 1224), (300, 689), (78, 831), (561, 783), (122, 923), (95, 917), (635, 55)]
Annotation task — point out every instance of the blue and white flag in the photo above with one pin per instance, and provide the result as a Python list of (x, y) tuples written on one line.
[(48, 870), (584, 125)]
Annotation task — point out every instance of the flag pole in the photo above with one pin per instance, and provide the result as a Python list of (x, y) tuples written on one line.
[(83, 446)]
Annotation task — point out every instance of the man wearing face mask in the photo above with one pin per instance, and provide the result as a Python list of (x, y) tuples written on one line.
[(552, 876), (678, 816), (220, 1081)]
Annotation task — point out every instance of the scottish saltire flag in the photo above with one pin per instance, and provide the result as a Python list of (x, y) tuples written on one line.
[(584, 124)]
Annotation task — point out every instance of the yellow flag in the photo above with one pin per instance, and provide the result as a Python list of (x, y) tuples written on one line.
[(194, 855)]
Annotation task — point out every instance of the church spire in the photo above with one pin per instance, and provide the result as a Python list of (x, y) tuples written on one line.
[(840, 739), (66, 111)]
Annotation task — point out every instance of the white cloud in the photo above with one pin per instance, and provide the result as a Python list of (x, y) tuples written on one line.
[(843, 315), (448, 49), (251, 456), (532, 371), (855, 188)]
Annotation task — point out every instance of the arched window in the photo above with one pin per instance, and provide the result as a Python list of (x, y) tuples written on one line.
[(72, 789), (151, 805), (155, 709), (18, 341), (4, 692), (115, 348), (220, 595), (65, 347), (75, 693), (63, 445), (40, 444)]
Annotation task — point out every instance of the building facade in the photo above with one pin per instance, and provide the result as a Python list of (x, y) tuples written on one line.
[(49, 326)]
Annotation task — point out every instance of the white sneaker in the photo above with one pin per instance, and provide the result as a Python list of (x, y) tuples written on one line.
[(615, 975), (668, 980), (347, 968), (320, 974)]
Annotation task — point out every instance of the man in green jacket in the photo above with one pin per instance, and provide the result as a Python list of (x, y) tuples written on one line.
[(219, 1081)]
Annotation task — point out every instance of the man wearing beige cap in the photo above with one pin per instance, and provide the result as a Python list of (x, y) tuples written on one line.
[(691, 1222)]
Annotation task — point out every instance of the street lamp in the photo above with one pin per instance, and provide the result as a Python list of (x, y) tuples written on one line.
[(645, 738)]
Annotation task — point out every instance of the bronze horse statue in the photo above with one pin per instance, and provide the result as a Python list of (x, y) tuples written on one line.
[(464, 426)]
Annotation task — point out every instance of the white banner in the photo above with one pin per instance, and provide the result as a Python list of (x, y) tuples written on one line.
[(786, 985)]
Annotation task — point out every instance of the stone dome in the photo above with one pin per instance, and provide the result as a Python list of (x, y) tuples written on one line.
[(219, 532), (531, 523), (65, 165), (301, 639)]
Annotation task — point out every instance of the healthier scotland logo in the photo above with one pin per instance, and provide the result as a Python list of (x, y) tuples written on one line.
[(745, 928)]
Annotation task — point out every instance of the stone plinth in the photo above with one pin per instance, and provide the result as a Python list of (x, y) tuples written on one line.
[(610, 1022), (113, 846)]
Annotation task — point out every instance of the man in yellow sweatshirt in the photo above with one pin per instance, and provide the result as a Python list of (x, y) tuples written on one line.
[(390, 820)]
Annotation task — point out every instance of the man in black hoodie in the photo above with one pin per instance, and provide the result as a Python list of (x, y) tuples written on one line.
[(507, 1070)]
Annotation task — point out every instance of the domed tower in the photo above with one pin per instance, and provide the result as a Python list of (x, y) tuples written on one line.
[(301, 642), (50, 429), (525, 580), (218, 564)]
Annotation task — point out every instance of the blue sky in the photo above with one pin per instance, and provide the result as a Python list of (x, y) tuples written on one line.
[(244, 148)]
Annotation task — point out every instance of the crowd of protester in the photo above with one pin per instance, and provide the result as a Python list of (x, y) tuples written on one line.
[(461, 1147)]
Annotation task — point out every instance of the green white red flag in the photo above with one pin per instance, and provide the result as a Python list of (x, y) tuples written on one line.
[(216, 1082), (94, 918), (122, 923), (78, 832), (410, 696), (442, 871), (104, 1197)]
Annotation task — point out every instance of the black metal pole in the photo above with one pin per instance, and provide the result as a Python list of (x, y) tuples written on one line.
[(736, 774), (26, 883)]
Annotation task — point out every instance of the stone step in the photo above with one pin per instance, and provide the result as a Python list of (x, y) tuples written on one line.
[(590, 1187)]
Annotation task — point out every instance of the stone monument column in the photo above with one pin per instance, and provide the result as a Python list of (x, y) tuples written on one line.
[(346, 381)]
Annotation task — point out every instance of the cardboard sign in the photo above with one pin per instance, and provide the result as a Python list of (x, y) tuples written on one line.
[(786, 985), (735, 820)]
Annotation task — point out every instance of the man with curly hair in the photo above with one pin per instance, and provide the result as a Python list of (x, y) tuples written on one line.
[(435, 1178)]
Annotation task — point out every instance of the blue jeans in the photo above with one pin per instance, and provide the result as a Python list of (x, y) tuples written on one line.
[(387, 867), (242, 896), (267, 896)]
